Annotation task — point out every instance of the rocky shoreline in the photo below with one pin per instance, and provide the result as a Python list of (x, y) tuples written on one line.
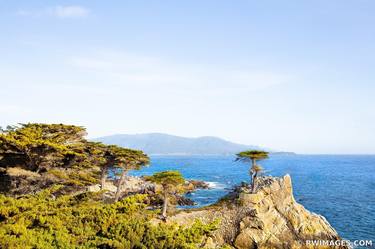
[(138, 185), (269, 218)]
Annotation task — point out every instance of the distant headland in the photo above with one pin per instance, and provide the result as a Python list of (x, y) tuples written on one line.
[(166, 144)]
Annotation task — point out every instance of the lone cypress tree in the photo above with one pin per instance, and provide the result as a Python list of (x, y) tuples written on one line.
[(253, 156), (170, 181)]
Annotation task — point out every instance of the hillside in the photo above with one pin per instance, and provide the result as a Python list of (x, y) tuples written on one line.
[(159, 143)]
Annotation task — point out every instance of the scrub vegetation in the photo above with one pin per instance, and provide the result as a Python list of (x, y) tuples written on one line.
[(45, 170)]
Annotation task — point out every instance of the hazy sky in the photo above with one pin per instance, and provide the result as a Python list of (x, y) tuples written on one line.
[(290, 75)]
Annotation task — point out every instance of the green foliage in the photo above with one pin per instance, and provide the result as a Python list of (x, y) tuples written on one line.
[(37, 156), (83, 221), (59, 173), (252, 155), (62, 152), (171, 181), (40, 145), (165, 178), (126, 158)]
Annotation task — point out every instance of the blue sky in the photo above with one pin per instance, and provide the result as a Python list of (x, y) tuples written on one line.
[(289, 75)]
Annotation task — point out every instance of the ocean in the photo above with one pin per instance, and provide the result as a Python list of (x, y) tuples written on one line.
[(339, 187)]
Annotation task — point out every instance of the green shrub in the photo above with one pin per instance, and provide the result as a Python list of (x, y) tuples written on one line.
[(59, 174), (83, 221)]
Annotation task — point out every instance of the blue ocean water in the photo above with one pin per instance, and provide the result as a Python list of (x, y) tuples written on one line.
[(339, 187)]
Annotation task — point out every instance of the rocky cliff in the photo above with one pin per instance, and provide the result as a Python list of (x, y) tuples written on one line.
[(269, 218)]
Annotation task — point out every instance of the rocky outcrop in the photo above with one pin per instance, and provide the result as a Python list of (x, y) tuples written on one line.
[(269, 218), (138, 185)]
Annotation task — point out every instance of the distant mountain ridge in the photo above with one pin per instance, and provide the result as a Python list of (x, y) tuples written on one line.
[(165, 144)]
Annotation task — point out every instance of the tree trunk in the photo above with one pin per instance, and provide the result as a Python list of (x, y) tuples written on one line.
[(119, 186), (251, 178), (30, 162), (165, 205), (253, 183), (252, 174), (103, 176), (253, 161)]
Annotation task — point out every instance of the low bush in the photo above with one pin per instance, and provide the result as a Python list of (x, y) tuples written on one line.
[(83, 221)]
